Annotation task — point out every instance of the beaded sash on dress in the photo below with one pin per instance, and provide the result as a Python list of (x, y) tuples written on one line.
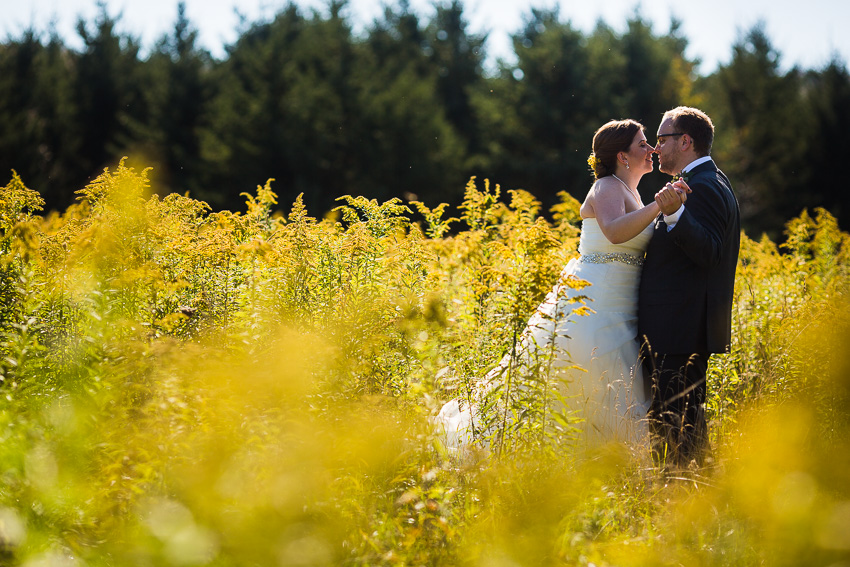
[(604, 258)]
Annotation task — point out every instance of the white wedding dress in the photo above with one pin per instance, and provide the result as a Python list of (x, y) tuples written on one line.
[(610, 395)]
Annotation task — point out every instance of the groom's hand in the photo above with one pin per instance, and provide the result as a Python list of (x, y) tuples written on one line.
[(669, 199), (681, 187)]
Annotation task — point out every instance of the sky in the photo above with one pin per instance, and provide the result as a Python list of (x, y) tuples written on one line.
[(807, 34)]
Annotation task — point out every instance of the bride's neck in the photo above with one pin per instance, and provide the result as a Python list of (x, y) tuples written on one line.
[(628, 177)]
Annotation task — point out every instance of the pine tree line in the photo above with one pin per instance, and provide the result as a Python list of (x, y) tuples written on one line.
[(407, 109)]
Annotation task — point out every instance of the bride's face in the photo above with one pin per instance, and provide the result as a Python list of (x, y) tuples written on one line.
[(640, 153)]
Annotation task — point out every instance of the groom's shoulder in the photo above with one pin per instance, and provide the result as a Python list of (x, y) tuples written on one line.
[(718, 193), (708, 167), (708, 173)]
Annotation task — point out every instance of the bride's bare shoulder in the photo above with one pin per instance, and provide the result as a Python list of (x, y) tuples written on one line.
[(605, 188), (601, 184), (606, 183)]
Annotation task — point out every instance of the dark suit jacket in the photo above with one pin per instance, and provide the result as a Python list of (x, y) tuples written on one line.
[(688, 279)]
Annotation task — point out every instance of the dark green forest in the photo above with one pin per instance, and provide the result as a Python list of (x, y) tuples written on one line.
[(407, 109)]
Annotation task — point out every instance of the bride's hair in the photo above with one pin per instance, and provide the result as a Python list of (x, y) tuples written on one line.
[(612, 138)]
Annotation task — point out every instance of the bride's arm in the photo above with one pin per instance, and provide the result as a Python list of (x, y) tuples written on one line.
[(609, 207)]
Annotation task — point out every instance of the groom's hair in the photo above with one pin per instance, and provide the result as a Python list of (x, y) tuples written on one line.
[(696, 124)]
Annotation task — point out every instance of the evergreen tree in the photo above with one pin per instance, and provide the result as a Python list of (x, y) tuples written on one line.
[(107, 93), (37, 137), (284, 110), (827, 143), (19, 119), (761, 113), (178, 94), (407, 139), (544, 135), (458, 57)]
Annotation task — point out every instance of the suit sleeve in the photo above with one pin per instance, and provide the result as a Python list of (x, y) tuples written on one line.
[(703, 224)]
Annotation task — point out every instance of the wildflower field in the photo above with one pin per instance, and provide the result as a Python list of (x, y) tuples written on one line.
[(186, 387)]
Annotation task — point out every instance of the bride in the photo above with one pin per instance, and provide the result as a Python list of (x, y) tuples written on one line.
[(608, 391)]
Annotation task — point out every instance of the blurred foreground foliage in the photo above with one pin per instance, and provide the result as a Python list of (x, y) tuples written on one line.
[(188, 387)]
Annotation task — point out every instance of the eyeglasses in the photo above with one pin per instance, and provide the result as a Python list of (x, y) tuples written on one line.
[(660, 137)]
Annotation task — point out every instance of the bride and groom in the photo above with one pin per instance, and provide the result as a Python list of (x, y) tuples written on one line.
[(662, 278)]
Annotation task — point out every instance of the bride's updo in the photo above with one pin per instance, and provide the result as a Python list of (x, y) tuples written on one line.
[(612, 138)]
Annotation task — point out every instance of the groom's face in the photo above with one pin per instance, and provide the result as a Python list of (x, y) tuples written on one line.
[(667, 148)]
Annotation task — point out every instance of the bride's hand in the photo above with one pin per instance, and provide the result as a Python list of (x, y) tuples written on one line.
[(682, 189), (669, 199)]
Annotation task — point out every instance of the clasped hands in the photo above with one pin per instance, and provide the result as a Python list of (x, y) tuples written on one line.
[(672, 196)]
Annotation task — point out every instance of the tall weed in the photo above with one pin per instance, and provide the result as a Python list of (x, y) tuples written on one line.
[(184, 387)]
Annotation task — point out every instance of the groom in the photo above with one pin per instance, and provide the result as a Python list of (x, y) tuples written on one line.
[(685, 298)]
